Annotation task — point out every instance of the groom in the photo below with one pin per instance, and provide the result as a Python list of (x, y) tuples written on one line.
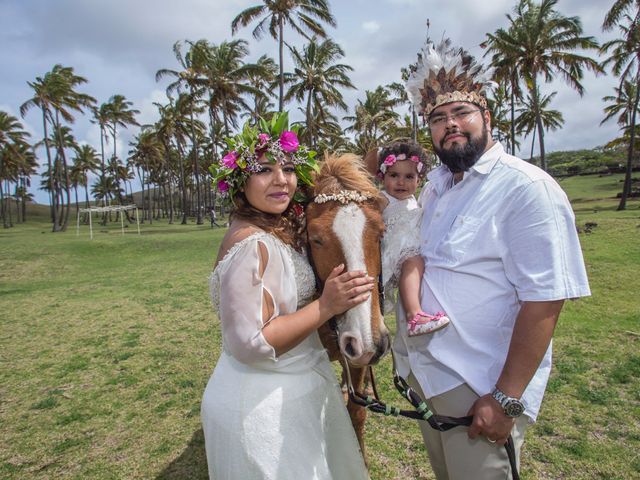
[(502, 255)]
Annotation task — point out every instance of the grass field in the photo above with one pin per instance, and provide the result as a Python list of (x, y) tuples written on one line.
[(106, 347)]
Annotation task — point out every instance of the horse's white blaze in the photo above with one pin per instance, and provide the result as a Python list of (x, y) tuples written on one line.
[(348, 225)]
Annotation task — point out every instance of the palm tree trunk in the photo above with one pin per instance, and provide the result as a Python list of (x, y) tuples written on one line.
[(58, 201), (167, 165), (194, 145), (86, 197), (414, 124), (513, 121), (2, 207), (281, 57), (141, 177), (183, 187), (65, 171), (533, 142), (626, 190), (75, 188), (309, 117), (17, 199), (536, 103), (47, 149), (24, 199), (7, 207)]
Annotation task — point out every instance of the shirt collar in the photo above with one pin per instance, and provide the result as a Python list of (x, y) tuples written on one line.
[(488, 159), (440, 176)]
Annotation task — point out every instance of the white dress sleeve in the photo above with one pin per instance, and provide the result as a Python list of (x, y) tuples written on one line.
[(242, 292)]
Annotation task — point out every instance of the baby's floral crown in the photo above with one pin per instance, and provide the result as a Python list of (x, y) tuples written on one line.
[(273, 140), (392, 159)]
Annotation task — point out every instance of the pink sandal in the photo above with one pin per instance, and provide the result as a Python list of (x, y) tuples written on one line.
[(423, 323)]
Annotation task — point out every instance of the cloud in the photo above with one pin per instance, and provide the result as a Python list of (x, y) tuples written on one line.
[(371, 26), (118, 45)]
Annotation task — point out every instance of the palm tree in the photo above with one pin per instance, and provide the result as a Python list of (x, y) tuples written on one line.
[(625, 63), (301, 15), (263, 77), (13, 140), (101, 117), (147, 154), (229, 78), (541, 42), (527, 119), (502, 126), (120, 114), (621, 104), (507, 75), (372, 119), (85, 161), (56, 96), (318, 77), (190, 77), (175, 126)]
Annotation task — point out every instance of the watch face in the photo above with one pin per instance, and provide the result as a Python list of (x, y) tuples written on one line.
[(514, 408)]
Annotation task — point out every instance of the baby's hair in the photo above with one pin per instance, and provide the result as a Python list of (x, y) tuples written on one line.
[(408, 148)]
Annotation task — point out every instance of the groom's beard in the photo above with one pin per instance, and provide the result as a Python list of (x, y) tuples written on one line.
[(460, 158)]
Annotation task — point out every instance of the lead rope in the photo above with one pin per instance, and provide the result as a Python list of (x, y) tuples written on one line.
[(421, 411)]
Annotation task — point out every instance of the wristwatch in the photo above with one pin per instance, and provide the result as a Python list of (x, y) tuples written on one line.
[(511, 406)]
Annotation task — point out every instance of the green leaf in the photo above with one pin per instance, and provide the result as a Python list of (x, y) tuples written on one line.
[(281, 122)]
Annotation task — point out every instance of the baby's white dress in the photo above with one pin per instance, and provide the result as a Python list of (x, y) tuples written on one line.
[(266, 417), (401, 240)]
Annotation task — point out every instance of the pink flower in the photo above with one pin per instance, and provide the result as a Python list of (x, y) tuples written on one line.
[(263, 138), (298, 209), (415, 158), (289, 141), (223, 186), (390, 160), (229, 160)]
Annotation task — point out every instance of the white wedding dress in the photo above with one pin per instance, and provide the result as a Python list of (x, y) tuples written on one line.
[(268, 417)]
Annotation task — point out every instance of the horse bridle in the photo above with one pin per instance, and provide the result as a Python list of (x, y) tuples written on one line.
[(420, 412)]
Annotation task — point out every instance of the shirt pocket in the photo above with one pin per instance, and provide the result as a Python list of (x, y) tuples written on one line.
[(459, 239)]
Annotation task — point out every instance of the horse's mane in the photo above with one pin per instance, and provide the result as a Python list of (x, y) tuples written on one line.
[(344, 172)]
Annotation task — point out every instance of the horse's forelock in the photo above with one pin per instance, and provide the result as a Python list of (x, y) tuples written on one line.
[(345, 172)]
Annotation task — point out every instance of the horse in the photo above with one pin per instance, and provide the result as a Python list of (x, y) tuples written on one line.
[(344, 225)]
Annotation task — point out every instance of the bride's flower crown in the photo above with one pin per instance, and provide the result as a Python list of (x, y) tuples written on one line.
[(273, 140)]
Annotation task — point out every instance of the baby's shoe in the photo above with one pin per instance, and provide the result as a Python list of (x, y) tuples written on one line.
[(423, 323)]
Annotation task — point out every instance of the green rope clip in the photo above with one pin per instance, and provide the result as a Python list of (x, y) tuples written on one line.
[(389, 410)]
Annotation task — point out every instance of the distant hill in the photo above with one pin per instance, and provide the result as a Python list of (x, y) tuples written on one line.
[(585, 162)]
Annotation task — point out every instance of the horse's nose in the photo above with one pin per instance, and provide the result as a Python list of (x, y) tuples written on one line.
[(382, 347), (352, 348)]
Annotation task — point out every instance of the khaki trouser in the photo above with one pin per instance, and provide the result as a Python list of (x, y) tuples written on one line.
[(452, 454)]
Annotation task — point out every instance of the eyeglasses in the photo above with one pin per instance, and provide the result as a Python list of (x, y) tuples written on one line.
[(462, 116)]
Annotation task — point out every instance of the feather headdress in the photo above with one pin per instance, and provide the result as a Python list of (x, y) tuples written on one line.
[(446, 74)]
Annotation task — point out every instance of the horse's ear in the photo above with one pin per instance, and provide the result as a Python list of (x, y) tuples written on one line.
[(371, 161)]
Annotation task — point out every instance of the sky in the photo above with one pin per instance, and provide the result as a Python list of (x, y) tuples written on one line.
[(118, 45)]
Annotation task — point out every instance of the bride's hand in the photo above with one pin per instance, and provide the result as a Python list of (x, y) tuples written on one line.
[(343, 291)]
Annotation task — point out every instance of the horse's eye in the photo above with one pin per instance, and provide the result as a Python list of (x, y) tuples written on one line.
[(316, 241)]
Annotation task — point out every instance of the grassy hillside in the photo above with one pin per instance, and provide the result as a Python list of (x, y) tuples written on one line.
[(107, 345)]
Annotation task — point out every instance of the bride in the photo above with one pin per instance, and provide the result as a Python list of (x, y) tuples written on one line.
[(272, 408)]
